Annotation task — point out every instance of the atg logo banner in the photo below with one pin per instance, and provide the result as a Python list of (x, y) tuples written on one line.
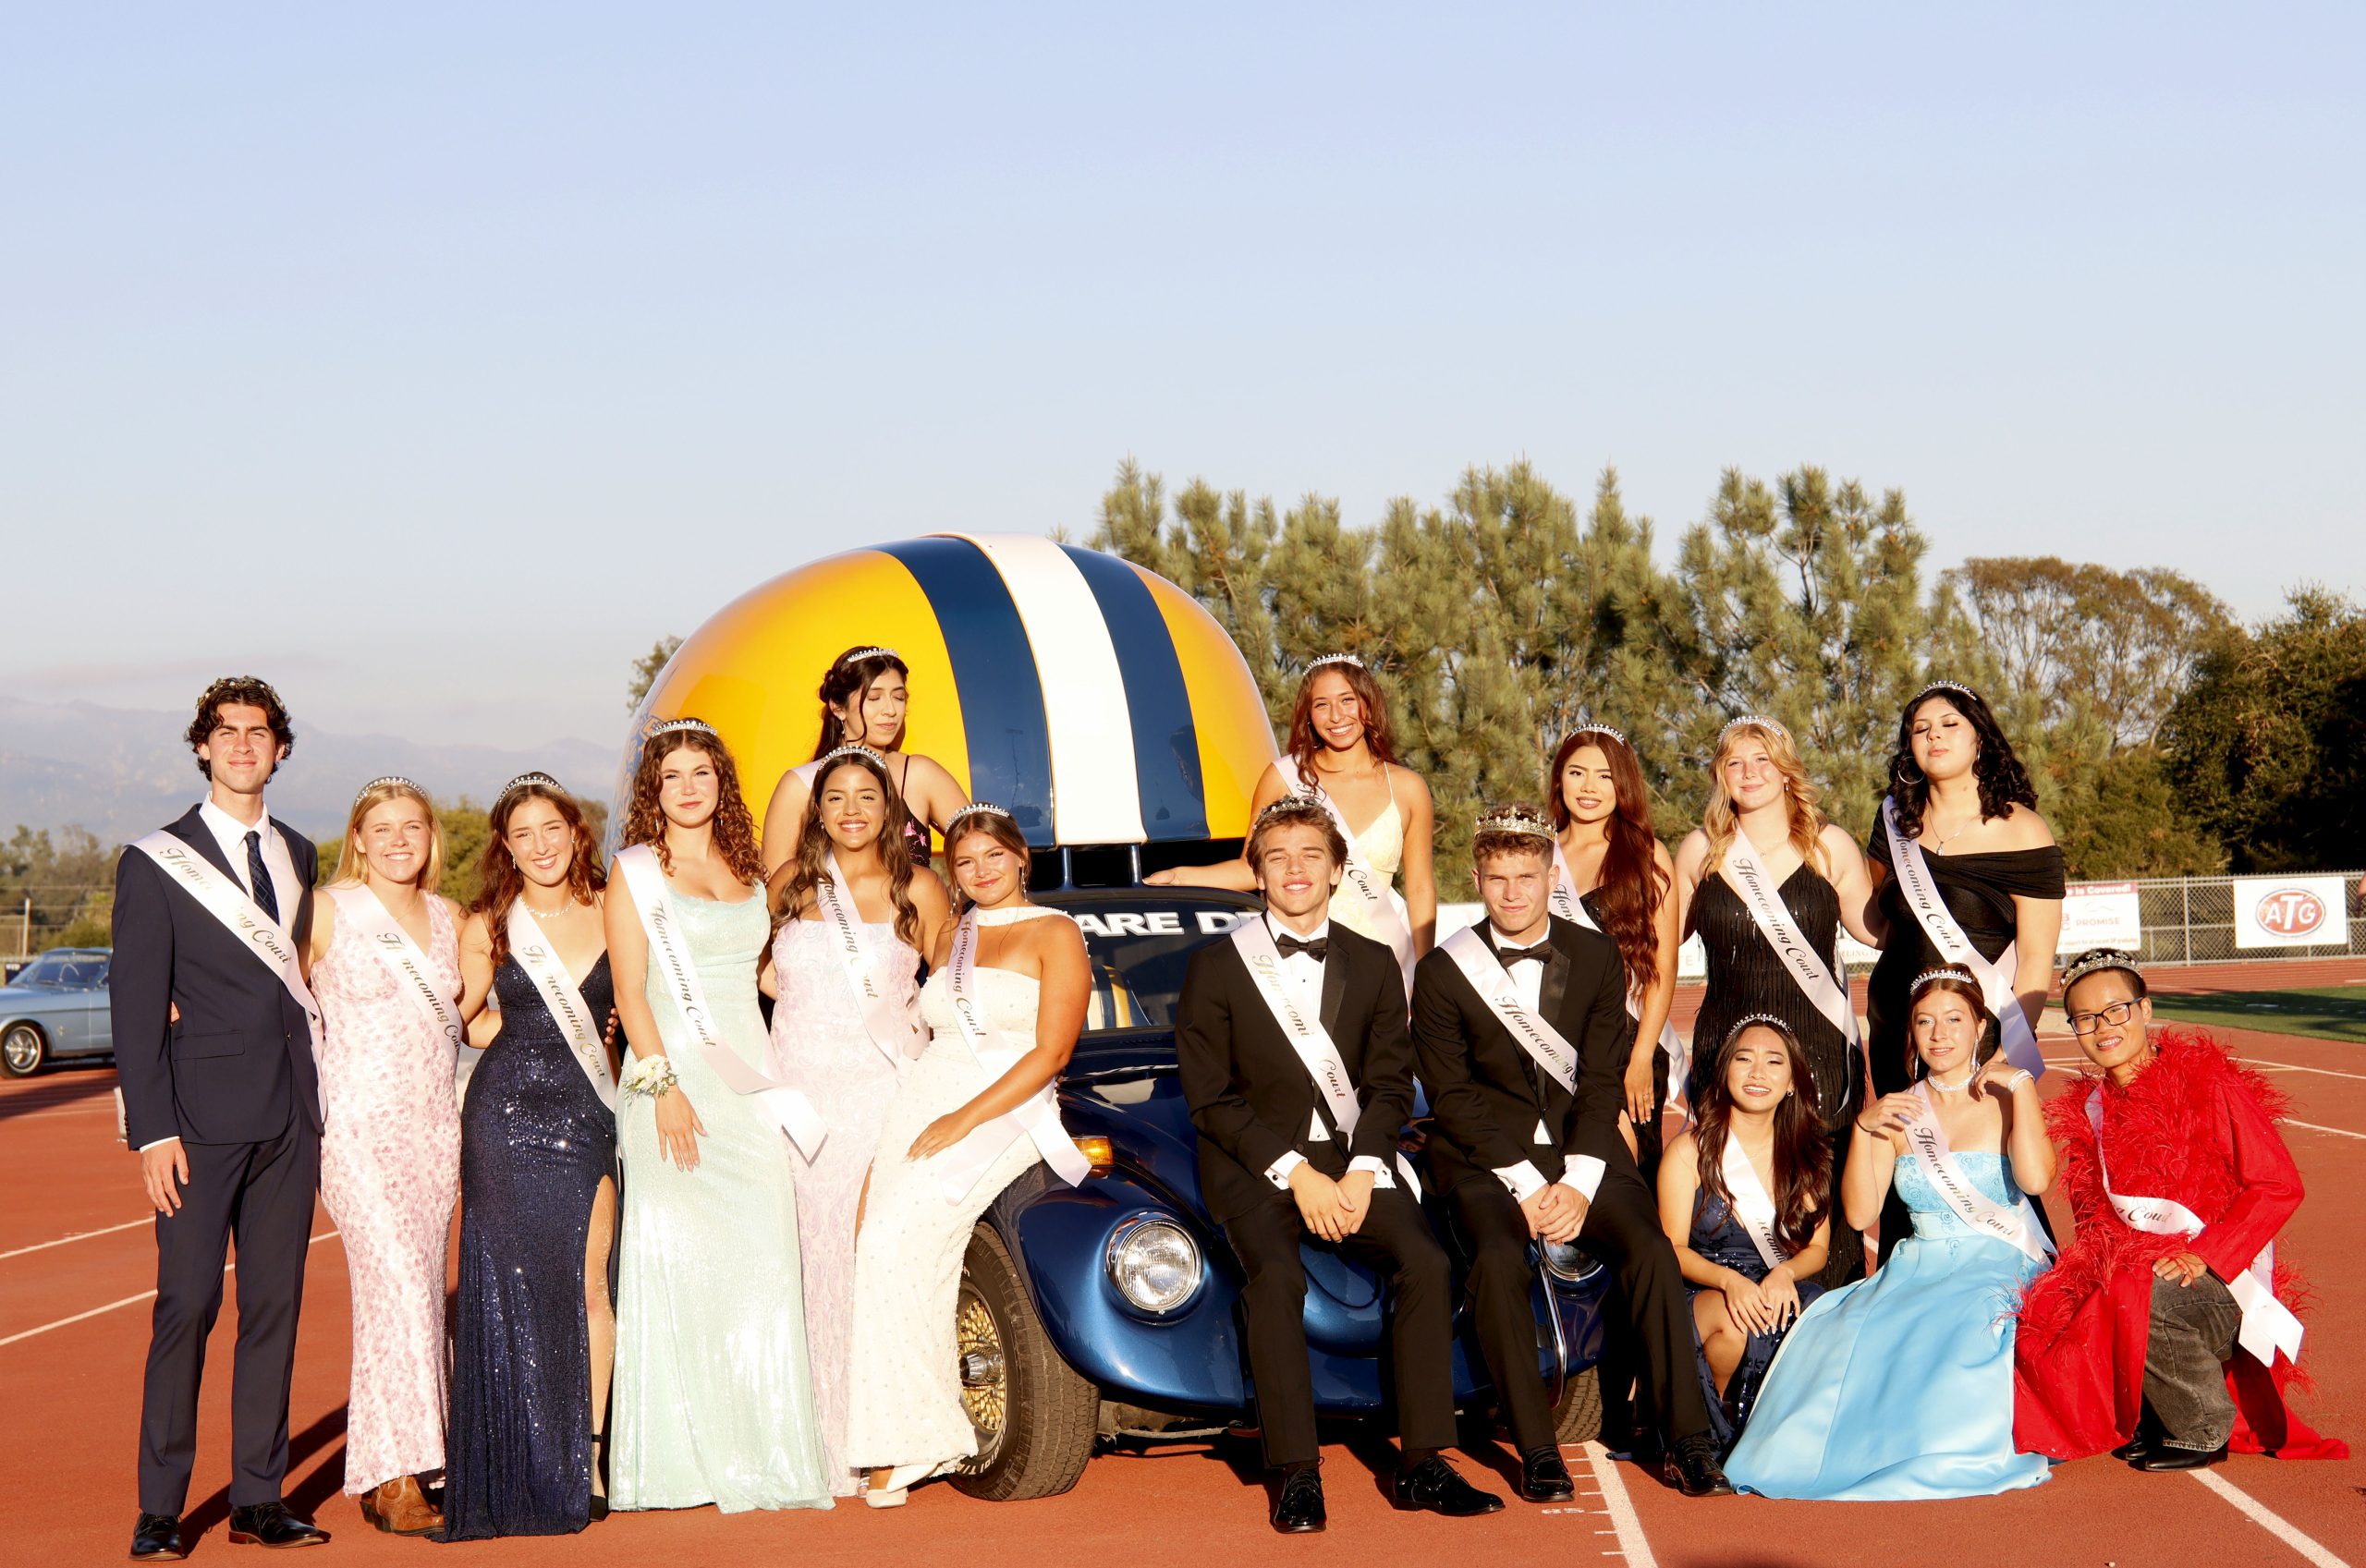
[(2290, 911)]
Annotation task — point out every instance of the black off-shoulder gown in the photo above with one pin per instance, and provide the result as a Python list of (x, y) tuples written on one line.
[(535, 1143)]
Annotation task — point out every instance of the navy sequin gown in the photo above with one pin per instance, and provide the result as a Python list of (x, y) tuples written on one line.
[(1719, 1237), (535, 1143)]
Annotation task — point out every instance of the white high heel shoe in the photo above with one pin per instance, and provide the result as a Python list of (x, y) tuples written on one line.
[(897, 1490)]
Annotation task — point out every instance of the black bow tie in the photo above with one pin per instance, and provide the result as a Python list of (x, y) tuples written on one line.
[(1319, 949), (1511, 955)]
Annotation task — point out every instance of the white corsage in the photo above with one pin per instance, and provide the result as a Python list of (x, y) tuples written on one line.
[(652, 1076)]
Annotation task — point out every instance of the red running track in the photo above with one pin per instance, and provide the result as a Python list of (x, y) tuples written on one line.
[(77, 1260)]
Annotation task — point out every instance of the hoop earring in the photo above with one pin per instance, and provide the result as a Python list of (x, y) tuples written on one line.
[(1909, 775)]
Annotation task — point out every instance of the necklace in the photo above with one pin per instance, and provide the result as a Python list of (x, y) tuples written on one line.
[(1957, 1087), (538, 915)]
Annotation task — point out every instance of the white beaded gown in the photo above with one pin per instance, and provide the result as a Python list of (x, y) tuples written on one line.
[(905, 1393), (821, 1045), (713, 1400)]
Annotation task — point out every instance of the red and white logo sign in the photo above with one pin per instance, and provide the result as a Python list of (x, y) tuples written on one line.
[(2290, 911)]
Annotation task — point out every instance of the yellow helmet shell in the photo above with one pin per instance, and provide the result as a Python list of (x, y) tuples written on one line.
[(1094, 701)]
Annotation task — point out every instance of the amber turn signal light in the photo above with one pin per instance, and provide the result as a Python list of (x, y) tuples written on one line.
[(1098, 1151)]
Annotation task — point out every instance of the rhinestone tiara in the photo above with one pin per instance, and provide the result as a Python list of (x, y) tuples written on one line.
[(2096, 959), (1292, 805), (384, 781), (856, 655), (1749, 1020), (671, 725), (1317, 663), (1943, 686), (1514, 820), (524, 781), (1747, 719), (975, 809), (1930, 978), (1618, 734), (852, 749)]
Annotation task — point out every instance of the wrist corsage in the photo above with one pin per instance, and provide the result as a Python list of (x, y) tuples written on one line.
[(652, 1076)]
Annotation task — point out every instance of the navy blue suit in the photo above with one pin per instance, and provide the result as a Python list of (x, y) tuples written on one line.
[(234, 1079)]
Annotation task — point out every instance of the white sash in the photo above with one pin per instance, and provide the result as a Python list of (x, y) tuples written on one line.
[(229, 903), (1751, 1202), (1534, 1032), (564, 999), (960, 1167), (787, 1108), (361, 909), (1569, 905), (1746, 873), (2018, 1227), (1996, 979), (1317, 1051), (1372, 889), (2268, 1325), (893, 1030)]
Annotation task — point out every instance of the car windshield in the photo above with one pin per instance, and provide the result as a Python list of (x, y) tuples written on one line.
[(1140, 940), (61, 969)]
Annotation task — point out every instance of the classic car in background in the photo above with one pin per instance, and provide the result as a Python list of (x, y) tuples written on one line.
[(1112, 716), (56, 1006)]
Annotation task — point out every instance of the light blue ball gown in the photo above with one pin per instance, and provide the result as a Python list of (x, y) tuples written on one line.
[(1900, 1386)]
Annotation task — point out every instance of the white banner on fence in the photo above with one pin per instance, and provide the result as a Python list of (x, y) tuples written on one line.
[(2290, 911), (2101, 915)]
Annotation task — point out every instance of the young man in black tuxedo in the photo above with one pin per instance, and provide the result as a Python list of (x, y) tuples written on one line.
[(1520, 1023), (213, 1048), (1291, 1040)]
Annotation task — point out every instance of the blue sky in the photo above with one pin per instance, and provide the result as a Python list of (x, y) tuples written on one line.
[(434, 360)]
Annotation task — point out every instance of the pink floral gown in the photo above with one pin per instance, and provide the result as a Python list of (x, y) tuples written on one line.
[(390, 1174)]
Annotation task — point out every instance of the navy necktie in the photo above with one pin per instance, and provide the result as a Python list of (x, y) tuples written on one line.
[(259, 878)]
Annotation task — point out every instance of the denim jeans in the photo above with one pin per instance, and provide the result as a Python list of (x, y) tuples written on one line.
[(2185, 1362)]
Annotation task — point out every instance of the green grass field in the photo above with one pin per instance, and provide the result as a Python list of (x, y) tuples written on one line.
[(2335, 1012)]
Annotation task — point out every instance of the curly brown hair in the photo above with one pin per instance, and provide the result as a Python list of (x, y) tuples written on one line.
[(814, 846), (1380, 736), (735, 826), (253, 692), (500, 883)]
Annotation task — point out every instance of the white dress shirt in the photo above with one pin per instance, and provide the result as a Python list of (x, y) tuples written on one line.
[(286, 886), (1304, 977), (1584, 1173), (231, 834)]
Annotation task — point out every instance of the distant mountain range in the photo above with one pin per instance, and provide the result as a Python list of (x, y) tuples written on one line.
[(119, 772)]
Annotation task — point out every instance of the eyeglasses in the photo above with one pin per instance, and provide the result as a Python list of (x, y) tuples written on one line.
[(2114, 1014)]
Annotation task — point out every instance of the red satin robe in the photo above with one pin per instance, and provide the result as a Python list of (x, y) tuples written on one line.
[(2199, 1127)]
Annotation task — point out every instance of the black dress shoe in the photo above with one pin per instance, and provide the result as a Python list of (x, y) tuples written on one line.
[(1298, 1503), (1432, 1486), (1544, 1479), (270, 1524), (157, 1538), (2136, 1448), (2163, 1457), (1692, 1468)]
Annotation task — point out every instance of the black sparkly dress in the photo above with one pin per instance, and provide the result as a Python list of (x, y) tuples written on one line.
[(1746, 975), (535, 1143)]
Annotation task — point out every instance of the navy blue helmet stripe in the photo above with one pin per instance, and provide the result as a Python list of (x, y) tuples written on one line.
[(1002, 693), (1167, 742)]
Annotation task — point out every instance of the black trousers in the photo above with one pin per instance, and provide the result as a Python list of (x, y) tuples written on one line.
[(1622, 1231), (260, 1194), (1395, 1240)]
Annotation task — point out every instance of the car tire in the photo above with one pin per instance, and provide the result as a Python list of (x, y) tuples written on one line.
[(1035, 1418), (1578, 1418), (22, 1051)]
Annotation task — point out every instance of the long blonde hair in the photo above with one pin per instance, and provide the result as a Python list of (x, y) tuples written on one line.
[(350, 873), (1720, 821)]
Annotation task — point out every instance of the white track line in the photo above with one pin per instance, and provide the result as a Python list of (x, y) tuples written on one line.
[(2338, 1132), (2295, 1067), (1632, 1543), (126, 1301), (78, 1235), (2268, 1519)]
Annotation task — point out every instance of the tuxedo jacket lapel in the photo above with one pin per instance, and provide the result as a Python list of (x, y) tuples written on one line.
[(1556, 986), (191, 830), (1335, 992)]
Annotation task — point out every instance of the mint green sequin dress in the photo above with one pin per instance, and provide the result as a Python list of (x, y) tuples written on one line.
[(713, 1400)]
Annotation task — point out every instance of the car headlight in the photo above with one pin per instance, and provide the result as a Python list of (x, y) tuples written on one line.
[(1566, 1262), (1155, 1263)]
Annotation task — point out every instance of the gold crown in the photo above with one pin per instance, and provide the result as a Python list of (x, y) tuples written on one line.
[(1514, 820)]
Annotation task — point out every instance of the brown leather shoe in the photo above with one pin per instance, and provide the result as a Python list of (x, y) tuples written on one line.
[(399, 1508)]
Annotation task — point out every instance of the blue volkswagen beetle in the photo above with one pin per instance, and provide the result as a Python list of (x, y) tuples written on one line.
[(55, 1006), (1108, 1312)]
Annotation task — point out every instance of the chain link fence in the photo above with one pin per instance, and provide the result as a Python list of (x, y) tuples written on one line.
[(2222, 920)]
